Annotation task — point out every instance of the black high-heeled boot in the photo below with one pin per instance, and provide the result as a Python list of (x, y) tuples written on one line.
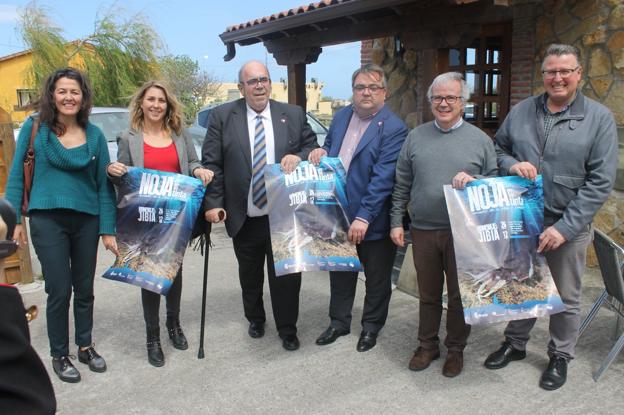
[(176, 334), (154, 351)]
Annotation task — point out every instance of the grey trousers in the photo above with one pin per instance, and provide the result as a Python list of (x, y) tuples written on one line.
[(567, 265)]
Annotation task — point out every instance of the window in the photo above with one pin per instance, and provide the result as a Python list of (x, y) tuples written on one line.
[(26, 97), (485, 65)]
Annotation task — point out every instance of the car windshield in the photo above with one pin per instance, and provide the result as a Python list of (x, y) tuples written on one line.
[(111, 123)]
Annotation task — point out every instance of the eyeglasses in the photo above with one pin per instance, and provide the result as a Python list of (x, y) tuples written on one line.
[(372, 88), (564, 73), (255, 81), (450, 99)]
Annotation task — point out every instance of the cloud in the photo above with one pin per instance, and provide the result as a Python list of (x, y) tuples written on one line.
[(8, 13)]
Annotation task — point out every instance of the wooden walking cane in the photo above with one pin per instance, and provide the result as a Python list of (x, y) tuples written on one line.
[(207, 229)]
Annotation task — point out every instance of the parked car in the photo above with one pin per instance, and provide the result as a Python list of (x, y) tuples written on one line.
[(112, 121), (200, 125)]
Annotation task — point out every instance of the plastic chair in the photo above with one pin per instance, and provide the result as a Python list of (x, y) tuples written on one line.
[(611, 261)]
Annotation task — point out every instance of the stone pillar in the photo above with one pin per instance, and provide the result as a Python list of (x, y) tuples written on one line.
[(401, 74), (366, 52)]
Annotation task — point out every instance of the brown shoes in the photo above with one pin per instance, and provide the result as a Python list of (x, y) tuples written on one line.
[(422, 358), (453, 365)]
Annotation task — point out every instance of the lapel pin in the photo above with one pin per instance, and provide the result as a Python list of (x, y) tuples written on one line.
[(283, 120)]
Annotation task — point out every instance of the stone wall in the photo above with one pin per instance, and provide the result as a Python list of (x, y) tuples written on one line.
[(403, 74), (596, 27)]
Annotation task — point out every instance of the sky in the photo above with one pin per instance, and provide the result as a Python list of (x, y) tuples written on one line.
[(190, 27)]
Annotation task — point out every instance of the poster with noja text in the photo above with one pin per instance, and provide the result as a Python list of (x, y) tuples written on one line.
[(496, 224), (308, 219), (156, 212)]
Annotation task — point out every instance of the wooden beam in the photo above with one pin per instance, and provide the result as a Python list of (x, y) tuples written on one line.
[(300, 55), (418, 20), (302, 19), (296, 84)]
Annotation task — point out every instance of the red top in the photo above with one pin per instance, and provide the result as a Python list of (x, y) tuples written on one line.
[(161, 158)]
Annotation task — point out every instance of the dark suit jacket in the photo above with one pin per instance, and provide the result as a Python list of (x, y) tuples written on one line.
[(370, 178), (25, 387), (227, 152), (130, 151)]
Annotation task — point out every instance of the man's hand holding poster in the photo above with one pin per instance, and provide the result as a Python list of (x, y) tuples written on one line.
[(308, 221), (156, 212), (496, 223)]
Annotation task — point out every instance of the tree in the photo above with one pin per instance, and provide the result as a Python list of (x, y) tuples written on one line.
[(118, 57), (190, 84)]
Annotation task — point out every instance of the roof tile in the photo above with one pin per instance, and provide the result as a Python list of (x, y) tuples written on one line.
[(305, 8), (286, 13)]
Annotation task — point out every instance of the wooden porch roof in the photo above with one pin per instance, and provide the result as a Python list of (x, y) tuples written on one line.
[(330, 22)]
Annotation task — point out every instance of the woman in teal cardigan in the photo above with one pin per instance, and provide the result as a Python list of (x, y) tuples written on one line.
[(71, 204)]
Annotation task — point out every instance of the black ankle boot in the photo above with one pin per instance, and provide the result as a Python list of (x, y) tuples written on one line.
[(176, 334), (154, 352)]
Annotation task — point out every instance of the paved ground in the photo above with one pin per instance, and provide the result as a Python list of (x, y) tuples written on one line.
[(244, 375)]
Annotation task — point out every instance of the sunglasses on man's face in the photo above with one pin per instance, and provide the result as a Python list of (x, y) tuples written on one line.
[(7, 248)]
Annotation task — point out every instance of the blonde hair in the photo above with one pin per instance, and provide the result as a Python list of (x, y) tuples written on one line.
[(173, 115)]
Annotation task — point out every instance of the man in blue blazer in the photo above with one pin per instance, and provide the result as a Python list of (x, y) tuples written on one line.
[(367, 137)]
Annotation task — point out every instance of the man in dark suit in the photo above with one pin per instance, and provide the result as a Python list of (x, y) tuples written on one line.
[(367, 137), (243, 136)]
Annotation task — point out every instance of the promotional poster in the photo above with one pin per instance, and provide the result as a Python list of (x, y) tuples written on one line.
[(156, 212), (496, 223), (308, 221)]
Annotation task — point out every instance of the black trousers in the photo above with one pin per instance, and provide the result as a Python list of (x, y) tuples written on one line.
[(252, 244), (151, 302), (66, 243), (377, 258)]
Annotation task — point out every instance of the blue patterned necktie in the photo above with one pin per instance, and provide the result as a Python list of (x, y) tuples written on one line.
[(258, 191)]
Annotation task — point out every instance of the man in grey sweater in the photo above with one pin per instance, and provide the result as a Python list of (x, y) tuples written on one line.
[(571, 141), (444, 151)]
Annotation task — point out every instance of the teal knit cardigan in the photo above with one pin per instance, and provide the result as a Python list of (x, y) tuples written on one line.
[(65, 178)]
